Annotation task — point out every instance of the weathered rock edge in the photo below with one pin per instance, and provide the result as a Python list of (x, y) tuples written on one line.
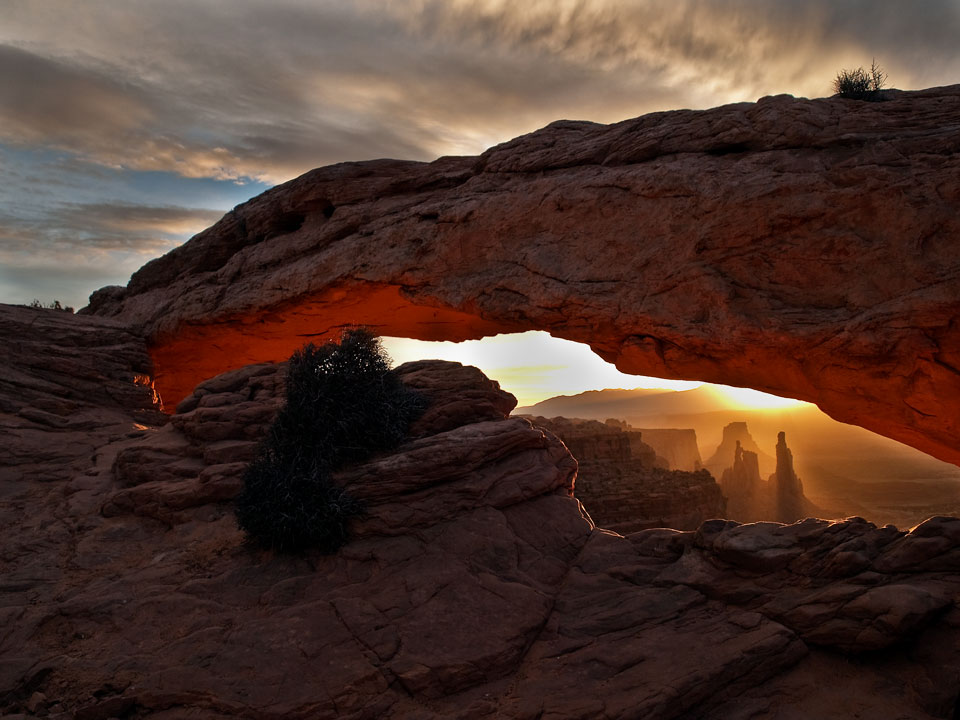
[(474, 588), (801, 247)]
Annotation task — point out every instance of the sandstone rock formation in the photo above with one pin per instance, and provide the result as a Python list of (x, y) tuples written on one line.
[(749, 497), (610, 440), (743, 487), (474, 587), (677, 446), (734, 434), (788, 490), (68, 384), (801, 247), (624, 485)]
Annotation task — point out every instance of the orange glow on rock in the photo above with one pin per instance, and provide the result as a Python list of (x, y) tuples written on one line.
[(198, 352)]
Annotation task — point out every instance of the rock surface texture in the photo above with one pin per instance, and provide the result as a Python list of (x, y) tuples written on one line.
[(474, 587), (67, 385), (801, 247)]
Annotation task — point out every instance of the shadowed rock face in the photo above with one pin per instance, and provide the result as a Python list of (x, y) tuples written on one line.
[(68, 384), (805, 248), (751, 499), (788, 488), (742, 486), (474, 587), (624, 485)]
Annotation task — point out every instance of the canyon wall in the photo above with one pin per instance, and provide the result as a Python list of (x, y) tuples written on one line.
[(677, 446), (625, 486), (805, 248)]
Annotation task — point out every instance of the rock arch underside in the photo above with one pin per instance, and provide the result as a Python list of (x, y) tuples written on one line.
[(808, 248)]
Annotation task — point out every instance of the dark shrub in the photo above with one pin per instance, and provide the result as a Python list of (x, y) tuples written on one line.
[(342, 405), (290, 506), (860, 84), (55, 305)]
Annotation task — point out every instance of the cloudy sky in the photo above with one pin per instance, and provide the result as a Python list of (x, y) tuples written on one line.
[(126, 126)]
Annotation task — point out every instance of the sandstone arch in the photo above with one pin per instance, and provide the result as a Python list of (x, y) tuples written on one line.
[(804, 248)]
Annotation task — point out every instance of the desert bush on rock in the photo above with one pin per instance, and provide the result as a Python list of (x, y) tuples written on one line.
[(343, 405), (860, 84), (55, 305)]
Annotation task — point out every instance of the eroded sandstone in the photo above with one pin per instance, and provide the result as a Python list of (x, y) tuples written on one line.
[(68, 385), (474, 588), (750, 498), (675, 445), (625, 486), (801, 247)]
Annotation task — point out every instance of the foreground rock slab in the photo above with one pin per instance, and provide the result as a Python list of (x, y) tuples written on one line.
[(475, 586), (801, 247), (68, 385)]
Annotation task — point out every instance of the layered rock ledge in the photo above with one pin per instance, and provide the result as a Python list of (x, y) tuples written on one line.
[(801, 247), (475, 587)]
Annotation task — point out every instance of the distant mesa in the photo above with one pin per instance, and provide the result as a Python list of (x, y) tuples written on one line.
[(627, 404), (676, 446), (627, 485)]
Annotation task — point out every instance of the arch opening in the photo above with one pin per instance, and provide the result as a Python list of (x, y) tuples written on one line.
[(834, 460), (842, 469), (186, 353)]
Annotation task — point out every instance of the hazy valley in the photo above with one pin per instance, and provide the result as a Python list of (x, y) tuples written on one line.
[(845, 469)]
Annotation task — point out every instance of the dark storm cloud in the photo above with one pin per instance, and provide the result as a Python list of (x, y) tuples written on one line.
[(45, 100), (200, 89), (70, 250), (269, 89), (694, 29), (112, 224), (102, 227), (735, 44)]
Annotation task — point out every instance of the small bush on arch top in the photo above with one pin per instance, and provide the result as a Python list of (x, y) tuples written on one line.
[(860, 84)]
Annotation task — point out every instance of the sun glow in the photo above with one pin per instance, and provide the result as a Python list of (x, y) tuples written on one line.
[(749, 399), (535, 366)]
